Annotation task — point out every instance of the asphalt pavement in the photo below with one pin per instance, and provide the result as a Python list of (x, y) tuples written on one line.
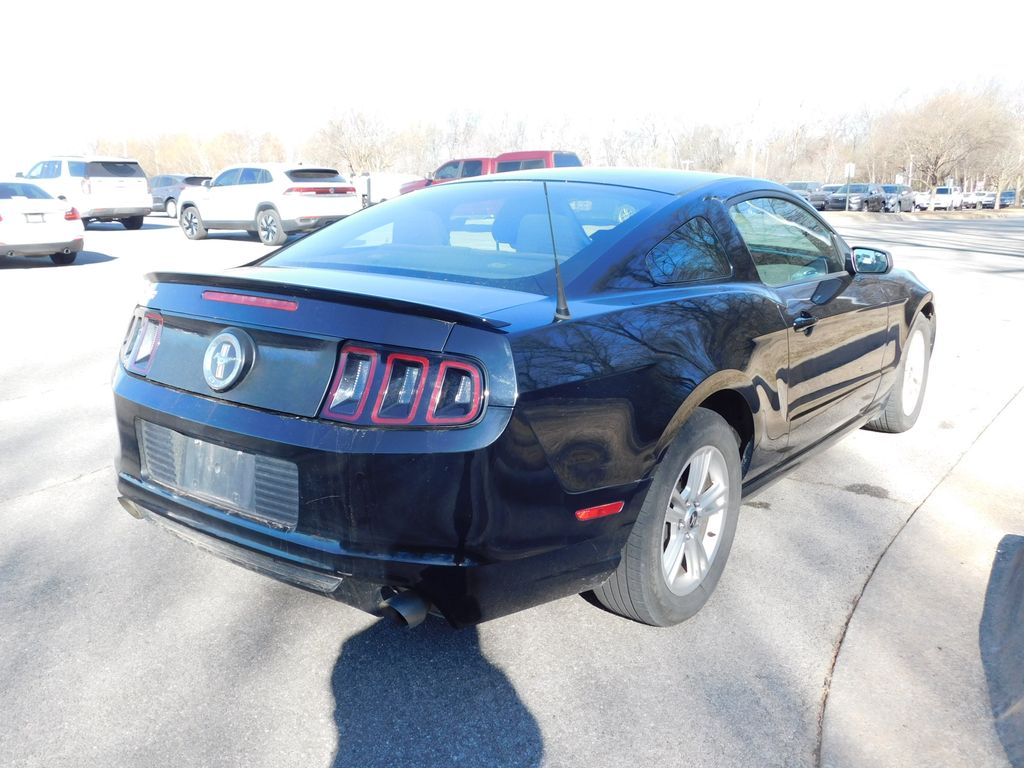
[(845, 631)]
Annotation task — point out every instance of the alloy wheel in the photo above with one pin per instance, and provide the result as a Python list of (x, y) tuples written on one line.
[(694, 520)]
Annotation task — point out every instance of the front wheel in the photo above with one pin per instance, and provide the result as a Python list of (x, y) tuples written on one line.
[(907, 395), (269, 227), (192, 224), (133, 222), (681, 539)]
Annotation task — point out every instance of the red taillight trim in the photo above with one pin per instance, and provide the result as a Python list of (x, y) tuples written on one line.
[(320, 191), (249, 300), (601, 510), (375, 416), (73, 215), (339, 374), (435, 396), (130, 360)]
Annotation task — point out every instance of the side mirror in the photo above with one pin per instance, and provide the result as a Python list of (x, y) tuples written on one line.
[(871, 261), (207, 183), (20, 175), (61, 197)]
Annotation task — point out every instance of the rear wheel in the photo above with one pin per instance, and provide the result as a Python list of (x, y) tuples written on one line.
[(907, 395), (171, 208), (133, 222), (63, 259), (192, 223), (681, 539), (269, 227)]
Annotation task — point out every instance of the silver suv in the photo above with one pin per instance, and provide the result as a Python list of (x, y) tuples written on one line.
[(101, 188)]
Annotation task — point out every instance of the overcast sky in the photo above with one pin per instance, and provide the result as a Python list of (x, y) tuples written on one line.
[(74, 72)]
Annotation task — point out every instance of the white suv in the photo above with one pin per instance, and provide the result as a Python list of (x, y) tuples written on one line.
[(101, 188), (269, 200)]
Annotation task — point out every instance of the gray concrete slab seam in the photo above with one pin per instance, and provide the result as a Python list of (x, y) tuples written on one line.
[(856, 601)]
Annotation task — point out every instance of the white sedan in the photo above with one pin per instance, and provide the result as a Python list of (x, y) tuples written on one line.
[(34, 224), (268, 200)]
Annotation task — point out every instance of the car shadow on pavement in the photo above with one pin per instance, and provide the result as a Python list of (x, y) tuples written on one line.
[(37, 262), (427, 697)]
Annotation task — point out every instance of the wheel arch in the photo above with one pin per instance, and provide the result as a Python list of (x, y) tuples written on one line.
[(266, 205), (732, 396)]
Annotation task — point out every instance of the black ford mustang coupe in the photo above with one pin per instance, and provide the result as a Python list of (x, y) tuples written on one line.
[(499, 392)]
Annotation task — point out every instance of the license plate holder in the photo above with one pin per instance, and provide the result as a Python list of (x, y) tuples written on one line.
[(255, 486), (34, 218)]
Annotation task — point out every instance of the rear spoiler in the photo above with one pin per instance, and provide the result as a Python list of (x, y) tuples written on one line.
[(325, 294)]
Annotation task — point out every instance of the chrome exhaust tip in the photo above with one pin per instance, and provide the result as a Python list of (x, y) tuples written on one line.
[(130, 508)]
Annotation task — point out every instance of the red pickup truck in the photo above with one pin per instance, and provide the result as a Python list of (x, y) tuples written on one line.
[(481, 166)]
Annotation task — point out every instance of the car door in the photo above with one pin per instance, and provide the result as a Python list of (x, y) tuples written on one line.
[(838, 324), (219, 199)]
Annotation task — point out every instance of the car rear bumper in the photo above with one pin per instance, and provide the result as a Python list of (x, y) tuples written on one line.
[(479, 533), (110, 214), (41, 249)]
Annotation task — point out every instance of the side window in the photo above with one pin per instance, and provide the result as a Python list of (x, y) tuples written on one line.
[(692, 252), (227, 178), (537, 162), (264, 176), (472, 168), (786, 242), (448, 171), (48, 169), (76, 168), (249, 176)]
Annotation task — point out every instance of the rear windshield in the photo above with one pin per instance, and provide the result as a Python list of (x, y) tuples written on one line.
[(485, 232), (567, 160), (111, 168), (31, 191), (942, 191), (315, 174)]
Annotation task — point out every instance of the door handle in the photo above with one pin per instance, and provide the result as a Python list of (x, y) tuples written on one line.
[(804, 322)]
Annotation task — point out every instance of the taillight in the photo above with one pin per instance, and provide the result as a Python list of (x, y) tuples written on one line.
[(380, 387), (311, 191), (141, 342), (72, 215)]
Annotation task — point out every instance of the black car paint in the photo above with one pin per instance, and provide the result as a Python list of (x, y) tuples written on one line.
[(480, 519)]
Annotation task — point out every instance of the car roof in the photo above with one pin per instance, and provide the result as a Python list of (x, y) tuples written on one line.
[(656, 179), (282, 167), (92, 158)]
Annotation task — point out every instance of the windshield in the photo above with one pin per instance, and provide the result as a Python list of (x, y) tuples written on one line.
[(485, 232), (942, 191), (125, 169), (799, 185), (890, 188), (854, 188)]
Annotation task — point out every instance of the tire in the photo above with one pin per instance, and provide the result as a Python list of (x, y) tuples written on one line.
[(171, 208), (864, 206), (269, 227), (133, 222), (191, 223), (63, 259), (656, 583), (906, 397)]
